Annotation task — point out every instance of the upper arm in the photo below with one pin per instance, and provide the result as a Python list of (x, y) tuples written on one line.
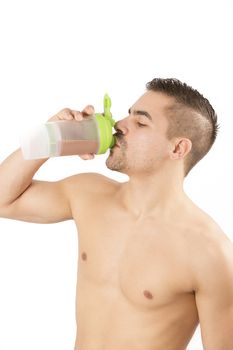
[(214, 299), (47, 202)]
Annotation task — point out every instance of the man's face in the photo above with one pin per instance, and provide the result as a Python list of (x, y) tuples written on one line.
[(141, 136)]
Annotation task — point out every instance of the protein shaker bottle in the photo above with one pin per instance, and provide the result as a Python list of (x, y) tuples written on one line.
[(93, 134)]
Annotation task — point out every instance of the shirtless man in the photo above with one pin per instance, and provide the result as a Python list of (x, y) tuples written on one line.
[(152, 265)]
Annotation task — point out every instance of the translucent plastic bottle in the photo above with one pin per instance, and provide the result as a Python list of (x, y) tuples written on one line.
[(93, 134)]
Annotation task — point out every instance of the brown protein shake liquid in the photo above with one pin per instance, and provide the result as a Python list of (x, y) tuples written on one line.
[(72, 147)]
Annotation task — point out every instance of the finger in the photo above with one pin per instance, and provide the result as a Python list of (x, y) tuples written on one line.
[(77, 115), (65, 114), (88, 110), (87, 156)]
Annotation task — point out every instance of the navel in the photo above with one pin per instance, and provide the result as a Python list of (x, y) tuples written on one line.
[(148, 294), (84, 256)]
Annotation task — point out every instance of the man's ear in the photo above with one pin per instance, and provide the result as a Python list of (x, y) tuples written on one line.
[(181, 148)]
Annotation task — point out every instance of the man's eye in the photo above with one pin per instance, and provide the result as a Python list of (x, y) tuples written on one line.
[(141, 125)]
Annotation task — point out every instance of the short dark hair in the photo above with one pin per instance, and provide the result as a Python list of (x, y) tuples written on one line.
[(191, 116)]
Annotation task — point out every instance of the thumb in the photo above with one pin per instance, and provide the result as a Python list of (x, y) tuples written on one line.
[(88, 110), (87, 156)]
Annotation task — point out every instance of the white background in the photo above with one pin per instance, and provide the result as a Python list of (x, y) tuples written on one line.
[(67, 53)]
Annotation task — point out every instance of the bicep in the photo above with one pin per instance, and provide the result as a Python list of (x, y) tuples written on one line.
[(214, 300), (216, 320), (41, 202)]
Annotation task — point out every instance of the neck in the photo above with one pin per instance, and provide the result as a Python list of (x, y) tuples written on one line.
[(152, 194)]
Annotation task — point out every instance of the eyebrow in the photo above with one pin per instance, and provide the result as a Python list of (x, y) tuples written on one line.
[(138, 112)]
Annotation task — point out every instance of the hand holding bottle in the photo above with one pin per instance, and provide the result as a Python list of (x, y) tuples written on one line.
[(69, 114), (71, 132)]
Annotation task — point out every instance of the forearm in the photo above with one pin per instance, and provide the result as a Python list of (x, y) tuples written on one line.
[(16, 175)]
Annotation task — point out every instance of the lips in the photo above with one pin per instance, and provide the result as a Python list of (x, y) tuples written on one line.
[(117, 144)]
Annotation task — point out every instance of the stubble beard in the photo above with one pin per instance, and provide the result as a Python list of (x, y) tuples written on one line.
[(116, 161)]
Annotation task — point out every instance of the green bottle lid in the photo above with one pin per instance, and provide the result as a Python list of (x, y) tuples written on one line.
[(105, 123)]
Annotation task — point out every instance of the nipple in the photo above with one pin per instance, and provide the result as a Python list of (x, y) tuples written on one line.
[(84, 256), (148, 294)]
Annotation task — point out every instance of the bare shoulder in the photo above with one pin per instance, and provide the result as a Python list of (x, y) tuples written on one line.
[(84, 186), (87, 192), (212, 249), (214, 264), (208, 232)]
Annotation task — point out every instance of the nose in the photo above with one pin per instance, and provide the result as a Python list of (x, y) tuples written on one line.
[(119, 127), (119, 132), (116, 127)]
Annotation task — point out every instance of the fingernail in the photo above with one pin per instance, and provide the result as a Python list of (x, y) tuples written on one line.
[(90, 109), (78, 116)]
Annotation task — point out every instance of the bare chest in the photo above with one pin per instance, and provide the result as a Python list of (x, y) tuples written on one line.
[(142, 261)]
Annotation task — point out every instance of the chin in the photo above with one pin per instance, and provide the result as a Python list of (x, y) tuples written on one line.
[(113, 165)]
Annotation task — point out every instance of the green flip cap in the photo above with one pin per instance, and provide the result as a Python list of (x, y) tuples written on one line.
[(105, 124)]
